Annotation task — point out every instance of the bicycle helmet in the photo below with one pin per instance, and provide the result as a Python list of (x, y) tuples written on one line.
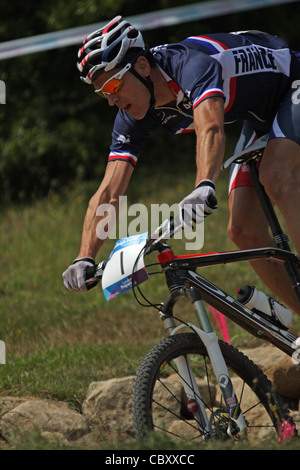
[(107, 47)]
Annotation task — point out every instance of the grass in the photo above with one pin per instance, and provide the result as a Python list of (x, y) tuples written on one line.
[(57, 343)]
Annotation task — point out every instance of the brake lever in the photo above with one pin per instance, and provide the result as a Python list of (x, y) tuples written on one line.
[(164, 232), (93, 274)]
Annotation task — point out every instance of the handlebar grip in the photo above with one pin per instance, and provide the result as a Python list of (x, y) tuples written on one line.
[(93, 274), (89, 274), (212, 201)]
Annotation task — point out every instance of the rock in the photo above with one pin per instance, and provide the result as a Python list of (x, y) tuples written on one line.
[(285, 376), (8, 403), (106, 410), (56, 438), (108, 406), (279, 368), (264, 356), (43, 416)]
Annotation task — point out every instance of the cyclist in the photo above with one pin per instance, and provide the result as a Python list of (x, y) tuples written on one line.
[(199, 84)]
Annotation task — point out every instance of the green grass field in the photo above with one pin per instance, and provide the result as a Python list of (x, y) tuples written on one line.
[(57, 342)]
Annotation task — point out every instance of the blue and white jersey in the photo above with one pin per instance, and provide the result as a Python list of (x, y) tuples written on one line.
[(250, 70)]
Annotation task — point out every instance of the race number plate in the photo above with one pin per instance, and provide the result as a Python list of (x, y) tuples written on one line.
[(125, 267)]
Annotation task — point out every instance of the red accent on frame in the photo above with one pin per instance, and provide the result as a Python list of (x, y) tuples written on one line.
[(165, 256), (196, 255)]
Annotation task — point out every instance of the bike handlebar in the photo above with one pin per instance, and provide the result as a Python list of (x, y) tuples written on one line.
[(93, 274), (165, 231)]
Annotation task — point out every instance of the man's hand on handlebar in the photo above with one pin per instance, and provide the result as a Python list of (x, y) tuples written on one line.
[(75, 276), (83, 274), (199, 204)]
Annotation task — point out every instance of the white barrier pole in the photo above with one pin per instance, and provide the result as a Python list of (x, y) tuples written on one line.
[(146, 21)]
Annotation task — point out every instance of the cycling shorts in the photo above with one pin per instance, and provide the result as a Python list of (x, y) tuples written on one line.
[(286, 124), (239, 173)]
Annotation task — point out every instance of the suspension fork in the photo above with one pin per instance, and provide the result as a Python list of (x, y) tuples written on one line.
[(210, 340), (197, 407)]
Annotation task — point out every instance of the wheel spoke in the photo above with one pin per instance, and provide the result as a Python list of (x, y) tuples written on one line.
[(160, 402)]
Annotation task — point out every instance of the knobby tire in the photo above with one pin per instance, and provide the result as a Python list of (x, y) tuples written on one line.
[(159, 403)]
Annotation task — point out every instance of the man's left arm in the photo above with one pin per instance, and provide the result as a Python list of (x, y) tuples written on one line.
[(209, 128), (210, 148)]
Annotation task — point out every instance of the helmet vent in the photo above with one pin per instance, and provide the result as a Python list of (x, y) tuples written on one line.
[(106, 48), (133, 34)]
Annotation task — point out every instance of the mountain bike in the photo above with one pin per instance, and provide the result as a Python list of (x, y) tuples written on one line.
[(192, 385)]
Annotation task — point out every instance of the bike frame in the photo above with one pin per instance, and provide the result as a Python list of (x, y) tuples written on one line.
[(182, 280), (180, 271), (248, 319)]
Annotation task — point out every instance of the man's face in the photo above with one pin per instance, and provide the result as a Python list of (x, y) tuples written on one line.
[(132, 96)]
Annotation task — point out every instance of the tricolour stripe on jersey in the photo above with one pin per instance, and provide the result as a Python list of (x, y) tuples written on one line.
[(229, 85), (209, 92), (212, 44), (122, 156), (215, 47), (185, 130)]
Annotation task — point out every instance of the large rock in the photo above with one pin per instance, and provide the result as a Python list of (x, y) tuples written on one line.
[(43, 416), (279, 368), (106, 410), (108, 406), (285, 376), (264, 356)]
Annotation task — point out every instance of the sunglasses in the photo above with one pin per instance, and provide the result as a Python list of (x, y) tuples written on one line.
[(113, 84)]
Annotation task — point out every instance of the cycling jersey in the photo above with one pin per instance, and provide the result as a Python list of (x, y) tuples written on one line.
[(251, 71), (286, 124)]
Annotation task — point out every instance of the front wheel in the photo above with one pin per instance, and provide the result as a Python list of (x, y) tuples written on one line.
[(160, 403)]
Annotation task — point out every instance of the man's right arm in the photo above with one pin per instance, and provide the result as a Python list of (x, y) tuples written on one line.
[(113, 185)]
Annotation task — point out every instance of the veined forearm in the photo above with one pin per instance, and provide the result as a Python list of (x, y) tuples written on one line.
[(209, 127), (104, 204), (209, 154), (90, 242)]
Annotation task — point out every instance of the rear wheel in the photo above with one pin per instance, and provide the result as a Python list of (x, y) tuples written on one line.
[(160, 404)]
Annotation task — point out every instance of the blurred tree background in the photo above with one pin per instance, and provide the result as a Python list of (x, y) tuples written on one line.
[(54, 131)]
